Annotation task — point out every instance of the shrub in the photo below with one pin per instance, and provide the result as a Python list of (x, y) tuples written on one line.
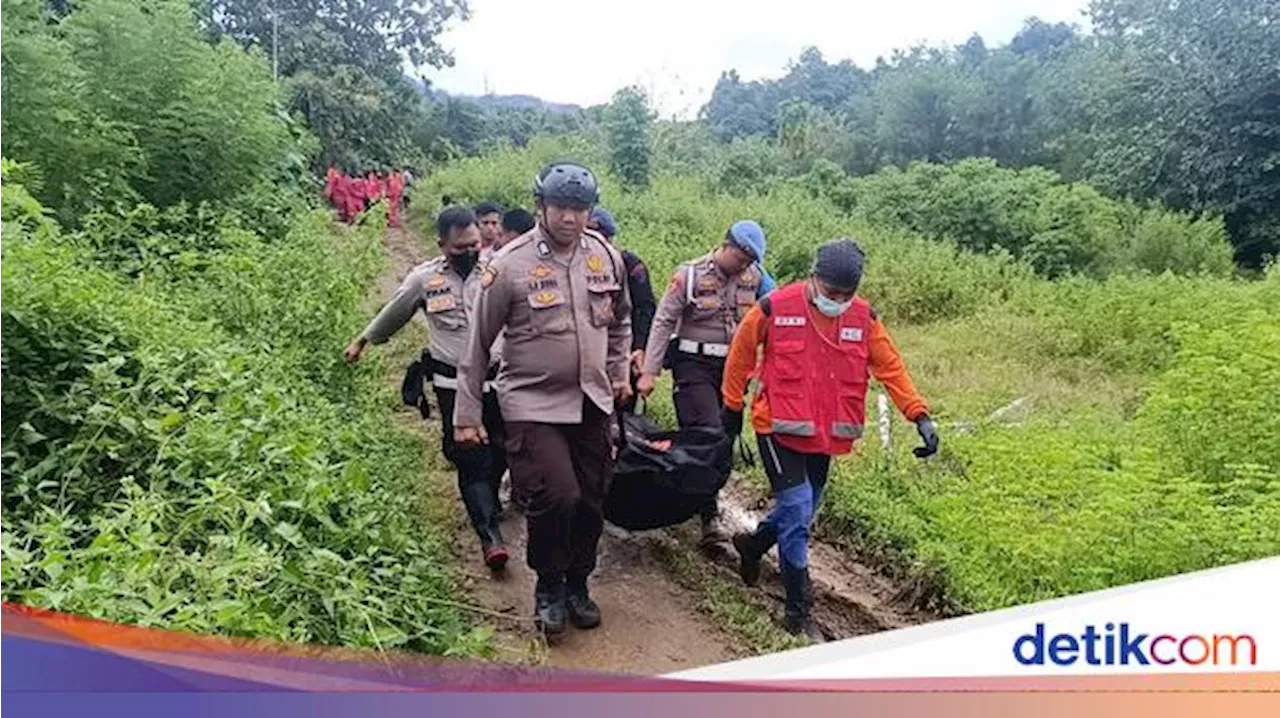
[(1057, 227), (184, 449), (120, 100)]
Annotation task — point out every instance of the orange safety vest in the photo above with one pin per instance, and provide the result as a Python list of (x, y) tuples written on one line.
[(816, 385)]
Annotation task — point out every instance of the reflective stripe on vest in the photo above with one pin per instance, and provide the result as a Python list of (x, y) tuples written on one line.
[(845, 430), (794, 428)]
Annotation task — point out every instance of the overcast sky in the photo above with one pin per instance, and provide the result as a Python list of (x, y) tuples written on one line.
[(581, 51)]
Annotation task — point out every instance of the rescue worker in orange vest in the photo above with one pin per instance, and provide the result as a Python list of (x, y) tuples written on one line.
[(821, 343)]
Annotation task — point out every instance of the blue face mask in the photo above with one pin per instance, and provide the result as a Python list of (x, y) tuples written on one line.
[(828, 306)]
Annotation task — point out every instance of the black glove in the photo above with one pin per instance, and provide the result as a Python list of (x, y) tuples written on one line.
[(731, 421), (929, 433)]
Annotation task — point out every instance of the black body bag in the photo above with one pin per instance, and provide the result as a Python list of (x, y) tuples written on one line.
[(655, 485)]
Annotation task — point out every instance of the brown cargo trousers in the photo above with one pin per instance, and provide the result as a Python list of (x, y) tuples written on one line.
[(562, 473)]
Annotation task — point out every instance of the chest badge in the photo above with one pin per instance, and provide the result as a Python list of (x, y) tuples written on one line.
[(788, 321), (540, 271), (851, 334), (545, 298), (595, 264)]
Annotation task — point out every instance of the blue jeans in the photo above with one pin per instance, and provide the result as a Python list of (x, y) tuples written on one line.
[(797, 481)]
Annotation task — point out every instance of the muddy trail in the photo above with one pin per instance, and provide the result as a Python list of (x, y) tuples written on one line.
[(652, 624)]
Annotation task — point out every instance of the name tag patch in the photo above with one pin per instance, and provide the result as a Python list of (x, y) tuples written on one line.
[(441, 303), (788, 321), (851, 334)]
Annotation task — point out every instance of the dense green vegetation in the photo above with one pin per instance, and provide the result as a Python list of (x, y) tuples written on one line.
[(186, 451), (183, 446)]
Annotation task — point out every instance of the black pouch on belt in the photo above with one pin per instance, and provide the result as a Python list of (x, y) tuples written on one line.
[(415, 376), (669, 356)]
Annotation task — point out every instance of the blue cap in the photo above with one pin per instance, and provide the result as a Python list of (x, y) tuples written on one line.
[(602, 217), (749, 236)]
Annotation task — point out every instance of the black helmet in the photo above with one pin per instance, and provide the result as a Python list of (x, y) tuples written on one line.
[(566, 183)]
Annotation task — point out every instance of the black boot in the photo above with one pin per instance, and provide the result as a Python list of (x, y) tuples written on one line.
[(798, 616), (482, 509), (712, 532), (583, 612), (550, 611), (751, 549)]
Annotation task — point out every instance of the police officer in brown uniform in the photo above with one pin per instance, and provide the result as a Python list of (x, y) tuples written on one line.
[(558, 296), (443, 289), (702, 306)]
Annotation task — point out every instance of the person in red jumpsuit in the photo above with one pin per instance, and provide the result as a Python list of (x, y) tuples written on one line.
[(395, 191)]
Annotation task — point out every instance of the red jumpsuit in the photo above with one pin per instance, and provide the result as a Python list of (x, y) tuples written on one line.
[(395, 191)]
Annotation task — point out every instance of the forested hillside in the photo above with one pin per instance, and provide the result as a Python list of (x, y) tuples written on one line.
[(1175, 101)]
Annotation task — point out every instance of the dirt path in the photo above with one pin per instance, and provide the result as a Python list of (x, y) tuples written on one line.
[(850, 598), (652, 624)]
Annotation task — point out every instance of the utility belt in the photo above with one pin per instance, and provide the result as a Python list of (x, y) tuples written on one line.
[(709, 349), (445, 376), (679, 346)]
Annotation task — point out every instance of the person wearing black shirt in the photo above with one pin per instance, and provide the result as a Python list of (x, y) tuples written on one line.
[(643, 304)]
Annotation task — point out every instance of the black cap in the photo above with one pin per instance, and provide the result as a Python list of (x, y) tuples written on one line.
[(839, 263)]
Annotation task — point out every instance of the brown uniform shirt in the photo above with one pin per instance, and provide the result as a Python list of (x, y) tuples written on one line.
[(566, 326), (701, 304), (440, 293), (471, 295)]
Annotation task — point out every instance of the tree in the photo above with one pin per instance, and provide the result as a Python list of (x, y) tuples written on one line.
[(120, 101), (628, 124), (807, 133), (82, 156), (371, 34), (341, 63), (1184, 105), (1042, 40), (739, 109)]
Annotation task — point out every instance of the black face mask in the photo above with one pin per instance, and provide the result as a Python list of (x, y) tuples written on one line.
[(464, 263)]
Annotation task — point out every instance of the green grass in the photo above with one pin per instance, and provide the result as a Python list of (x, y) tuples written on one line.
[(747, 616), (1109, 478)]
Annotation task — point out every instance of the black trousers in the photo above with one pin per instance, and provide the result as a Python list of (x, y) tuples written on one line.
[(697, 398), (480, 468), (562, 472)]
